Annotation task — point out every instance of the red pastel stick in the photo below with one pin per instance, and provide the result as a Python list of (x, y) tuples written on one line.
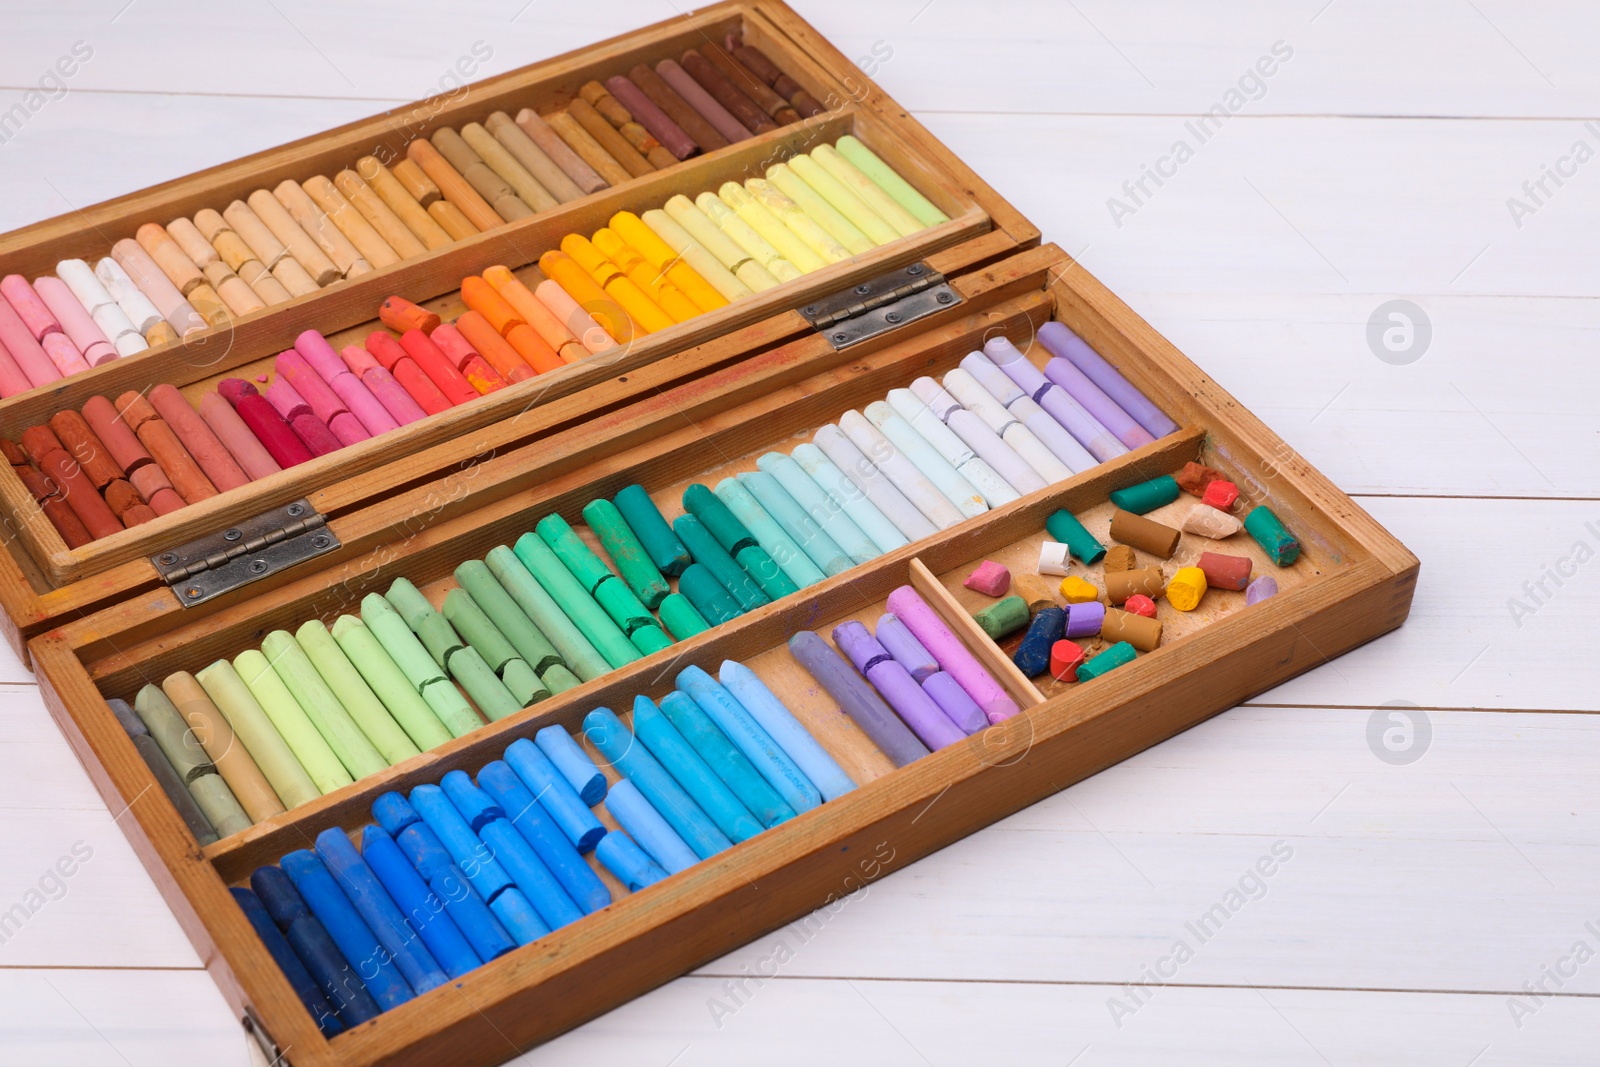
[(275, 435)]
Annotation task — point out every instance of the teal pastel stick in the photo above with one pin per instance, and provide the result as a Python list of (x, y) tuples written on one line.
[(720, 521), (1146, 496), (846, 496), (627, 554), (636, 763), (819, 506), (722, 756), (707, 596), (417, 664), (822, 550), (773, 538), (1064, 526), (680, 617), (768, 576), (711, 555), (1278, 543), (579, 606), (781, 725), (691, 772), (650, 639), (489, 595), (482, 684), (743, 730), (650, 527), (581, 657)]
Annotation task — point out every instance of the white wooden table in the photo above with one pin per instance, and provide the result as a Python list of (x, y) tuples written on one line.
[(1420, 901)]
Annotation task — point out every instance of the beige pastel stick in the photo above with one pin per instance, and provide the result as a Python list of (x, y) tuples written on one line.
[(344, 215), (418, 184), (248, 225), (300, 244), (450, 218), (377, 213), (233, 761), (587, 148), (180, 270), (489, 185), (315, 222), (209, 304), (195, 245), (268, 288), (392, 192), (293, 277), (240, 298), (455, 187), (532, 157), (503, 163)]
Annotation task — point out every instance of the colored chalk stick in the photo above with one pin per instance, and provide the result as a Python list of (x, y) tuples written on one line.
[(848, 498), (557, 796), (310, 748), (652, 530), (640, 819), (708, 596), (347, 929), (588, 616), (857, 699), (300, 980), (1109, 660), (724, 758), (875, 484), (232, 759), (955, 702), (423, 849), (1067, 345), (558, 679), (423, 909), (373, 903), (398, 696), (577, 653), (332, 720), (627, 553), (1146, 496), (686, 767), (1278, 543), (627, 862), (418, 665), (765, 572), (1065, 528), (679, 616), (524, 682), (903, 645), (708, 553), (1085, 619), (637, 763), (1260, 589), (951, 483), (577, 879), (718, 519), (1033, 655), (340, 985), (460, 841), (260, 735), (487, 691), (814, 541), (490, 596), (577, 557), (511, 850), (573, 763), (819, 507), (952, 655), (469, 620), (190, 761), (170, 782), (889, 181), (774, 764), (353, 693), (1064, 408), (1003, 618), (781, 725)]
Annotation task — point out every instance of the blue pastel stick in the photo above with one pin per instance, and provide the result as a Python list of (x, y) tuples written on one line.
[(513, 853), (644, 823), (722, 756), (573, 763), (776, 541), (379, 911), (634, 761), (758, 746), (540, 831), (432, 861), (628, 862), (817, 504), (519, 916), (300, 980), (781, 725), (348, 930), (394, 813), (691, 772), (340, 984), (822, 549), (476, 861), (554, 794), (423, 908)]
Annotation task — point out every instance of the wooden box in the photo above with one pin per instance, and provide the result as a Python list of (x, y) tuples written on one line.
[(693, 404)]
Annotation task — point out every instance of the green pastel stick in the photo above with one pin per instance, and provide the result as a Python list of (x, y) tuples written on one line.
[(885, 177), (524, 682), (650, 527), (580, 657), (579, 606), (1109, 660), (487, 592), (329, 716), (254, 727), (648, 639), (389, 683), (292, 722), (436, 635), (1065, 528), (450, 707), (766, 572), (731, 532), (772, 538), (624, 608), (710, 554), (558, 679), (679, 616), (1003, 618), (219, 804), (1278, 543), (419, 666), (482, 684), (629, 556), (707, 595), (1147, 496), (183, 750), (353, 693), (463, 613), (589, 569)]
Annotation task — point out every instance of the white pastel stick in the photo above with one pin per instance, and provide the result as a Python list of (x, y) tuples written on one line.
[(130, 343), (115, 324), (906, 475), (984, 478), (976, 435), (920, 451), (976, 399), (80, 278), (849, 498), (1053, 559), (128, 296), (876, 485)]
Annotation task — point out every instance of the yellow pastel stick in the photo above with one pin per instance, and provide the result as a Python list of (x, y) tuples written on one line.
[(640, 308), (814, 204), (746, 237), (665, 260), (888, 179), (705, 231), (656, 285), (851, 206), (570, 276), (849, 175), (770, 227), (799, 223), (697, 256)]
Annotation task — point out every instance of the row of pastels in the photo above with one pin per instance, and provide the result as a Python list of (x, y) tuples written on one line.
[(192, 274)]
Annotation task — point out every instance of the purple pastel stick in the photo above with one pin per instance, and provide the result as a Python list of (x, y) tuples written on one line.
[(903, 645), (856, 698), (1069, 346), (1085, 620), (357, 398), (952, 655), (669, 133), (915, 707), (1022, 407), (720, 117), (859, 646), (1260, 589), (1088, 395), (955, 702), (1100, 441)]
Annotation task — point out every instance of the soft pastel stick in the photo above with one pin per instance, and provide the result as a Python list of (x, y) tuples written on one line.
[(313, 695), (852, 207), (76, 322), (726, 760), (703, 102), (977, 435), (400, 404), (738, 229), (573, 763), (781, 725), (310, 748), (639, 818), (705, 232), (482, 869), (423, 909), (994, 488), (577, 880), (1060, 340), (1062, 406), (208, 450), (820, 548), (830, 218), (353, 693), (270, 428), (903, 645), (246, 449), (579, 322), (540, 133), (817, 506), (846, 497), (354, 396), (980, 402), (348, 930), (397, 695), (143, 272), (418, 665), (636, 762), (889, 181), (805, 228), (773, 538), (29, 306), (511, 850), (129, 297), (550, 328), (627, 862), (230, 756), (895, 684), (952, 655), (525, 636), (849, 175), (555, 794), (856, 698), (690, 771), (259, 733), (711, 556), (25, 352), (190, 760), (635, 302), (755, 214), (166, 777), (437, 366), (578, 653), (680, 618), (589, 617), (533, 158), (373, 903), (629, 555), (955, 702), (708, 597), (335, 976), (300, 980), (695, 255), (1065, 444), (666, 261), (904, 470), (780, 771)]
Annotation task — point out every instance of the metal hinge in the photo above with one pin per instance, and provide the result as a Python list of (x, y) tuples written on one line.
[(880, 304), (255, 548), (264, 1052)]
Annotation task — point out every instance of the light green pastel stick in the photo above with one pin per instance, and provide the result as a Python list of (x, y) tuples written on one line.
[(389, 683), (606, 636), (581, 657), (436, 635), (851, 206), (188, 757), (487, 592), (558, 679), (887, 179), (292, 722), (329, 716), (849, 175), (463, 613), (419, 666), (812, 203), (253, 726), (524, 682), (482, 684), (353, 693)]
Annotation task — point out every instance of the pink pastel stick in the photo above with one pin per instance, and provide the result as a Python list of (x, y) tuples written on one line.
[(588, 332), (25, 351), (32, 310), (325, 403), (287, 400), (12, 380), (236, 437), (358, 399), (76, 322), (390, 393), (154, 284), (63, 353), (952, 655), (348, 429)]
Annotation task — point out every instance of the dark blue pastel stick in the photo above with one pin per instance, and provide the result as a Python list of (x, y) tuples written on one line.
[(461, 902), (722, 756), (423, 908), (300, 980), (555, 794), (348, 930), (475, 859), (644, 823), (529, 817), (628, 862), (691, 772), (519, 916), (339, 982), (378, 909), (541, 888), (573, 763), (606, 733)]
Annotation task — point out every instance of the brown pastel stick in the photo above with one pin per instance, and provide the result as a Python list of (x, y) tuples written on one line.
[(1119, 558), (188, 480), (1144, 534), (394, 232), (585, 147), (180, 270), (646, 145), (753, 59), (138, 515), (1120, 585), (400, 201), (418, 184), (677, 108), (754, 87), (803, 101), (1225, 572), (81, 495), (711, 78), (1036, 590), (1142, 633), (208, 451), (13, 452), (600, 98), (757, 62), (54, 506), (87, 448), (350, 222), (451, 220), (208, 303), (195, 245), (121, 495), (455, 188), (315, 222), (232, 759), (300, 244), (153, 485), (613, 143), (1194, 478), (551, 143), (116, 435)]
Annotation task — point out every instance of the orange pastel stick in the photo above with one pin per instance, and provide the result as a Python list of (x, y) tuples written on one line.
[(644, 311), (538, 315), (531, 347), (453, 185), (400, 315), (495, 350), (570, 275), (486, 300)]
